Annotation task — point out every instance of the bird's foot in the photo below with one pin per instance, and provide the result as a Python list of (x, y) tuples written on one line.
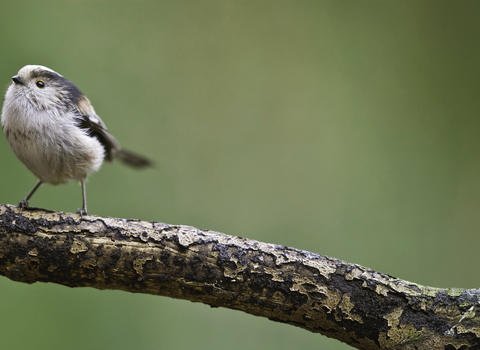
[(82, 211), (23, 204)]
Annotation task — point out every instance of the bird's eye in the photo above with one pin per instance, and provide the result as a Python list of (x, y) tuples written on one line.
[(40, 84)]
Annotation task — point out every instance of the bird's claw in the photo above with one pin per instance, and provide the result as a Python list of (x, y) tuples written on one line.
[(23, 204), (82, 211)]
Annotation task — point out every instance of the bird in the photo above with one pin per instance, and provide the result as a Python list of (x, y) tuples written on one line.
[(54, 130)]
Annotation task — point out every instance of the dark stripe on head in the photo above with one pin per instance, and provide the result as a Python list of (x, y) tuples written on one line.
[(72, 90)]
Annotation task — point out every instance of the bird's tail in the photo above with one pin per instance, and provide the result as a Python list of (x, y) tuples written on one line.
[(132, 159)]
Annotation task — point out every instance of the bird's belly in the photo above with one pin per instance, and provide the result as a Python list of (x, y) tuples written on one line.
[(57, 160)]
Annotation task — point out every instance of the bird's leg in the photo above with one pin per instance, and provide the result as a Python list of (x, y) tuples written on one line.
[(83, 211), (24, 204)]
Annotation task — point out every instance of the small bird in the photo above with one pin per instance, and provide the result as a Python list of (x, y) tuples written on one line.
[(54, 130)]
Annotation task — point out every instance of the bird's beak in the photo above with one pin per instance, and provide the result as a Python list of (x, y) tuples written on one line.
[(16, 79)]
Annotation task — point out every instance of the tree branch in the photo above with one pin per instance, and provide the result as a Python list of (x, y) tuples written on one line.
[(361, 307)]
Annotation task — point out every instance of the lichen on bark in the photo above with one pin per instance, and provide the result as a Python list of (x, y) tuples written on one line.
[(359, 306)]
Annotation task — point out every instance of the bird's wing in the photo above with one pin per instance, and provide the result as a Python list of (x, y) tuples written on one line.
[(87, 119)]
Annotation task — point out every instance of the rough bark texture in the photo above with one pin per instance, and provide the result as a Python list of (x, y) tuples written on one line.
[(361, 307)]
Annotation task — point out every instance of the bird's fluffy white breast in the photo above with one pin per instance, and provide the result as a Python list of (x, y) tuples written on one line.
[(48, 142)]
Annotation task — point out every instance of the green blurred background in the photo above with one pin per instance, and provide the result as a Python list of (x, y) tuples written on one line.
[(346, 128)]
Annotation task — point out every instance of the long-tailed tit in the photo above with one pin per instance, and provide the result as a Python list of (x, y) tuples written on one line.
[(54, 130)]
